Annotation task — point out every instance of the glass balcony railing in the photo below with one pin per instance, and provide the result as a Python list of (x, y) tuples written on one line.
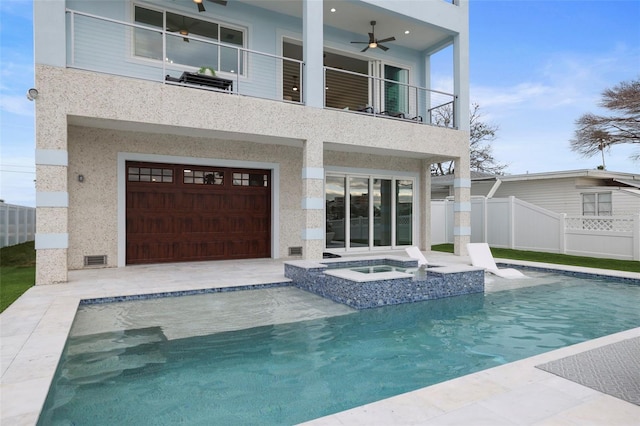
[(139, 51), (364, 94), (135, 50)]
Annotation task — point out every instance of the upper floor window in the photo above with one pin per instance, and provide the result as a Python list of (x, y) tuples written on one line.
[(181, 49), (597, 204)]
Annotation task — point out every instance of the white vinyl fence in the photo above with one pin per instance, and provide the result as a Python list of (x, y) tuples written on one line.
[(17, 224), (516, 224)]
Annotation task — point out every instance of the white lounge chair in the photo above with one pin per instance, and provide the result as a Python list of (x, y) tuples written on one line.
[(415, 253), (481, 256)]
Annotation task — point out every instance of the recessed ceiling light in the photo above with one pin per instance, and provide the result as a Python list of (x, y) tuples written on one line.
[(407, 32), (333, 10)]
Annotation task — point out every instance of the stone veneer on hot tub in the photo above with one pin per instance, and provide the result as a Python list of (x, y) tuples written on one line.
[(332, 278)]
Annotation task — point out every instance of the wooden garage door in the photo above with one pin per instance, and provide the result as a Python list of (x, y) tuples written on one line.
[(185, 213)]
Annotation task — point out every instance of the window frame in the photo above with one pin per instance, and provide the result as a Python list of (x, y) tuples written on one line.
[(177, 66), (371, 176), (598, 203)]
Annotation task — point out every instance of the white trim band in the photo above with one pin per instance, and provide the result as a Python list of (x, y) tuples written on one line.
[(462, 231), (52, 199), (313, 173), (462, 183), (310, 203), (52, 241), (52, 157), (313, 234), (462, 206)]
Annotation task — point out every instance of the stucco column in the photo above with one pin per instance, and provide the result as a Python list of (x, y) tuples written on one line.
[(52, 196), (461, 206), (313, 40), (425, 206), (313, 233)]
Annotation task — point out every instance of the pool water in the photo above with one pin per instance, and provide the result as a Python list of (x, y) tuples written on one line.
[(292, 372), (375, 269)]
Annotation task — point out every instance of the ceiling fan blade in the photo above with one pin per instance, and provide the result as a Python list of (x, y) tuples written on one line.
[(220, 2), (384, 49), (360, 42), (387, 39), (365, 49), (200, 7), (371, 38), (186, 40)]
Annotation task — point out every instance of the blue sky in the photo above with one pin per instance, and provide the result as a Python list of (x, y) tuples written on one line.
[(535, 67)]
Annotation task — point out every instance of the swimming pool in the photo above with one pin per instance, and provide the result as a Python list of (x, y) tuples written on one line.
[(292, 372)]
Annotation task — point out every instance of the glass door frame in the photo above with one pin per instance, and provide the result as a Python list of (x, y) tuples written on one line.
[(348, 173), (377, 91)]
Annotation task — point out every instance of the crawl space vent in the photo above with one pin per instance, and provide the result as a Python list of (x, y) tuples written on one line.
[(295, 251), (100, 260)]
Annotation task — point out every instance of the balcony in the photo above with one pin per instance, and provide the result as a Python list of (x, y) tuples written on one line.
[(173, 55)]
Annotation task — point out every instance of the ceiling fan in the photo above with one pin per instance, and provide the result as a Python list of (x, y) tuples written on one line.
[(373, 41), (183, 28), (201, 6)]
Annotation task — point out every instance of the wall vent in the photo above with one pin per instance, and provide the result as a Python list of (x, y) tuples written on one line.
[(100, 260), (295, 251)]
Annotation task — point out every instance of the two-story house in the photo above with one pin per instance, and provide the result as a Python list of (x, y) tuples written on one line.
[(185, 130)]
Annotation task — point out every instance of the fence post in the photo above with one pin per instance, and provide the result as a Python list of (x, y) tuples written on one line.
[(5, 225), (511, 224), (636, 236), (562, 229), (485, 220)]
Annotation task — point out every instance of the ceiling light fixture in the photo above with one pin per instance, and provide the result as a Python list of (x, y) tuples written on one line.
[(373, 45), (333, 10), (407, 32), (200, 5), (295, 83)]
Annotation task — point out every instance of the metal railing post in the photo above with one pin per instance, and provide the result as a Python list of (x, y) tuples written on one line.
[(73, 38)]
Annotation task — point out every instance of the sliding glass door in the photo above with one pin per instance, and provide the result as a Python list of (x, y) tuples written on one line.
[(380, 211), (359, 211)]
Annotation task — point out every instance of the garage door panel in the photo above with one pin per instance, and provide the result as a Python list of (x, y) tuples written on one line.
[(190, 217), (203, 201), (138, 198), (205, 250), (151, 223), (246, 248), (148, 251)]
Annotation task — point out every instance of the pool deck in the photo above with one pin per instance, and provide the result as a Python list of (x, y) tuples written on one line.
[(33, 331)]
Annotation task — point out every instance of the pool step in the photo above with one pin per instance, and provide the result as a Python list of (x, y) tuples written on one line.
[(95, 358)]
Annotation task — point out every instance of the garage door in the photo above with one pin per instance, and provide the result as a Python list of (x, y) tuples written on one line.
[(177, 213)]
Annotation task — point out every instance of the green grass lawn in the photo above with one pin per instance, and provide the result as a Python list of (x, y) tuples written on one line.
[(560, 259), (17, 272)]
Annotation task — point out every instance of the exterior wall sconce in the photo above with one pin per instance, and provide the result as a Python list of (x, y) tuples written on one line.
[(32, 94)]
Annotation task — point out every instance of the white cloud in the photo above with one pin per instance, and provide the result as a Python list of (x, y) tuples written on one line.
[(15, 104)]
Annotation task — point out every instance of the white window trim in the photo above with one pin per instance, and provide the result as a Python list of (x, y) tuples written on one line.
[(597, 202), (182, 67), (378, 174), (123, 157)]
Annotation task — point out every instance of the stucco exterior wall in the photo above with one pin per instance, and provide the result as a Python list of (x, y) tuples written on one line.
[(93, 203), (105, 115)]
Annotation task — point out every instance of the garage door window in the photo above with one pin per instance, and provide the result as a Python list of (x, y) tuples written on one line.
[(250, 179), (203, 177), (152, 175)]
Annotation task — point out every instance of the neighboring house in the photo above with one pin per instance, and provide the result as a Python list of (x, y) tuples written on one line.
[(574, 192), (140, 159)]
